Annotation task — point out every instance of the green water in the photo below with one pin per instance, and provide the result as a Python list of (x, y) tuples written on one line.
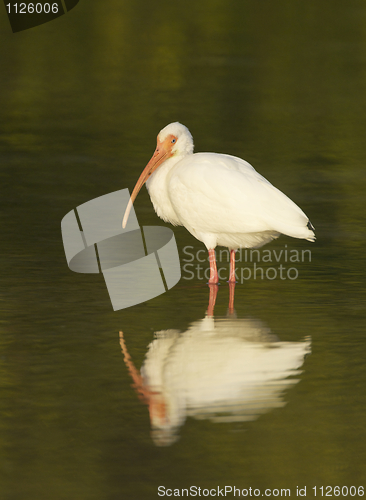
[(280, 84)]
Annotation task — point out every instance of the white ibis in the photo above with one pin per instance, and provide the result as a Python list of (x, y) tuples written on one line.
[(221, 199)]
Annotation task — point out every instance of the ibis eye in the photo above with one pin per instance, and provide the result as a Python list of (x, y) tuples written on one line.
[(173, 141)]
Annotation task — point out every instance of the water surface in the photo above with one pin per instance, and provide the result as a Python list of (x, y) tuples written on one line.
[(82, 99)]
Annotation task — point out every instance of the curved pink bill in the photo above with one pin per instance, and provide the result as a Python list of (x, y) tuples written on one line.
[(162, 152)]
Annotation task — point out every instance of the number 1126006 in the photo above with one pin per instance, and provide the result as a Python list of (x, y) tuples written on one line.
[(31, 8), (339, 491)]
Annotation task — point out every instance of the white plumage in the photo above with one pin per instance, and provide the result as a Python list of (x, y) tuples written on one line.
[(221, 199)]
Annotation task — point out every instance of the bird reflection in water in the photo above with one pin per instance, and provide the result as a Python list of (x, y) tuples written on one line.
[(221, 369)]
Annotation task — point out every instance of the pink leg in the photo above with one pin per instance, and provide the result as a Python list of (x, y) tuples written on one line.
[(212, 300), (214, 277), (232, 277), (231, 297)]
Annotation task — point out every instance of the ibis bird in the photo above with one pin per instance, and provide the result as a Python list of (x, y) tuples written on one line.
[(220, 199)]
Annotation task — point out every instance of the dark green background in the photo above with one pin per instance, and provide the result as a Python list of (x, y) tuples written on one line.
[(82, 98)]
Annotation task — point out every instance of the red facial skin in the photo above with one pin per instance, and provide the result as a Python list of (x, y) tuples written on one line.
[(162, 152)]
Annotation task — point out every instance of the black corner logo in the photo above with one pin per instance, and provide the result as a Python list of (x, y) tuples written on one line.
[(25, 15)]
